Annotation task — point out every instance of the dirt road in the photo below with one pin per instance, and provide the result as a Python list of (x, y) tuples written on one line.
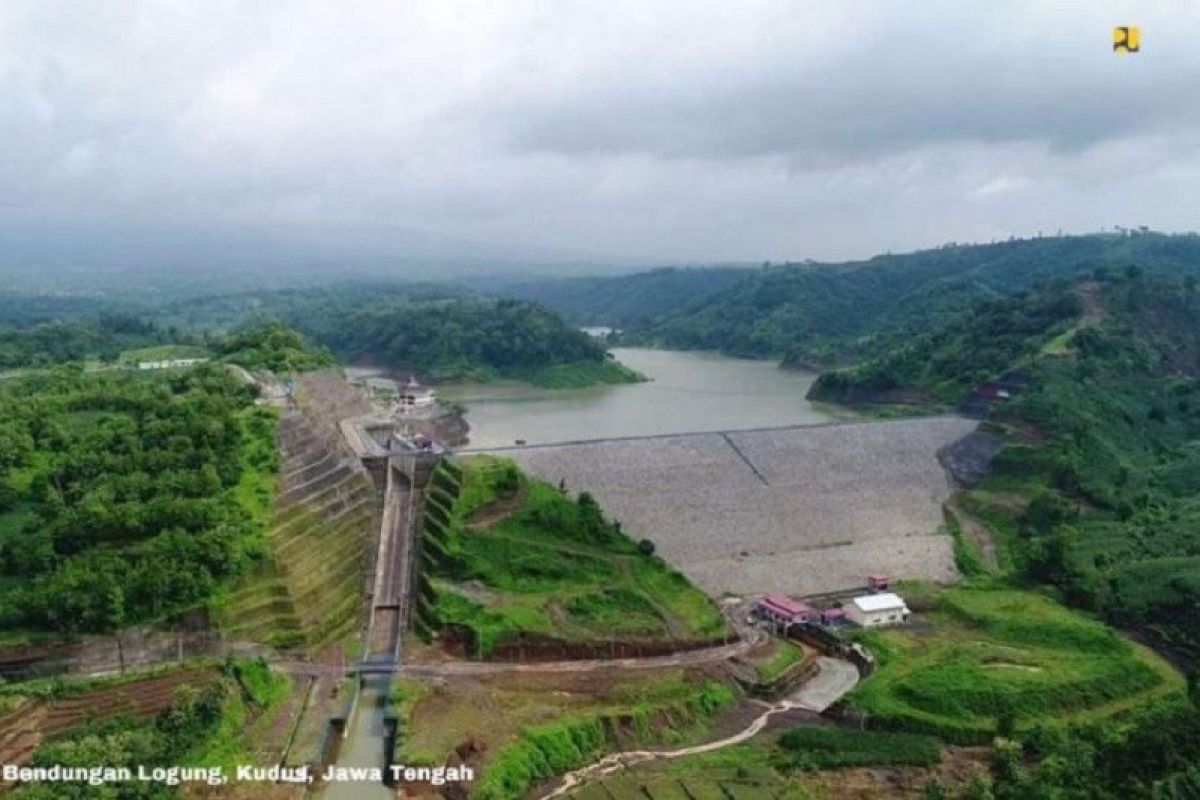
[(834, 679), (708, 655)]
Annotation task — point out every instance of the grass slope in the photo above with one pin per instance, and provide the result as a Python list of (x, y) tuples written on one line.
[(507, 555), (527, 733), (990, 653)]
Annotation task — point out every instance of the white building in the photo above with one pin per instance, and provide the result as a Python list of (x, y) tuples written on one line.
[(874, 610), (171, 363)]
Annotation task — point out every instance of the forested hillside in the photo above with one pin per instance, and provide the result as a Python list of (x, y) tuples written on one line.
[(127, 496), (1104, 451), (103, 339), (1095, 497), (814, 312), (272, 346), (439, 332), (943, 364), (625, 301), (471, 336)]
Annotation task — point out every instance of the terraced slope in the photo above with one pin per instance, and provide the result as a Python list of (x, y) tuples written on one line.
[(24, 728), (325, 519)]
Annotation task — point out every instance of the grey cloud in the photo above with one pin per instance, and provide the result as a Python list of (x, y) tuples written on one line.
[(625, 131), (869, 103)]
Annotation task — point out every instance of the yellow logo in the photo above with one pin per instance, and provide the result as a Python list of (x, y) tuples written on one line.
[(1126, 39)]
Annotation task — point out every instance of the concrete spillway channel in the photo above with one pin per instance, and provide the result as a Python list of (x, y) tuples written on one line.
[(368, 732), (395, 564)]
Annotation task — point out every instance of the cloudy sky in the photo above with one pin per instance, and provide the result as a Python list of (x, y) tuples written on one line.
[(613, 131)]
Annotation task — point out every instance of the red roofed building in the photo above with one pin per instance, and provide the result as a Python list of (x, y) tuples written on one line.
[(779, 609)]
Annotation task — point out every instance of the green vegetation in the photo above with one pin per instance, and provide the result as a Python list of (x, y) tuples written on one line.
[(203, 727), (945, 364), (127, 497), (104, 339), (508, 556), (190, 723), (824, 313), (784, 656), (828, 748), (537, 741), (578, 375), (625, 301), (1097, 492), (437, 332), (997, 653), (475, 337), (556, 747), (307, 593), (768, 766), (273, 347), (1096, 495), (746, 772)]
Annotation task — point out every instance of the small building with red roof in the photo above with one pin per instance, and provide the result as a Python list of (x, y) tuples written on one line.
[(782, 610)]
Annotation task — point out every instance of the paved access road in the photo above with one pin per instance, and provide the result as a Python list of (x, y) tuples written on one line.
[(832, 681)]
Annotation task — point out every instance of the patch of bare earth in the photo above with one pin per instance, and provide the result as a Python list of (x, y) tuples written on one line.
[(1093, 303), (486, 516), (958, 766)]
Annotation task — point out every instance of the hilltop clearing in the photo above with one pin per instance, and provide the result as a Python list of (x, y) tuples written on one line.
[(980, 658)]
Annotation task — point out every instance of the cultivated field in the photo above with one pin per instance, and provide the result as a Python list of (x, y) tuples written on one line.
[(799, 510)]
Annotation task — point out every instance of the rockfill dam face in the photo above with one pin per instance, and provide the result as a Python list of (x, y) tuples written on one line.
[(800, 510)]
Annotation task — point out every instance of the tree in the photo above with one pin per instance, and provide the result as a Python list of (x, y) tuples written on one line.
[(646, 547)]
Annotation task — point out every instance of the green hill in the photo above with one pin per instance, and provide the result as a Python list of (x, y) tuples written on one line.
[(509, 558), (819, 312), (439, 332), (1098, 489), (127, 496), (624, 301)]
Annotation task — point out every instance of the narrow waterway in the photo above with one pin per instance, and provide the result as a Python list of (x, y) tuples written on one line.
[(365, 743), (687, 391)]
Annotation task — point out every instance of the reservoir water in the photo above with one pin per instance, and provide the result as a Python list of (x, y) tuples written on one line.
[(688, 391)]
